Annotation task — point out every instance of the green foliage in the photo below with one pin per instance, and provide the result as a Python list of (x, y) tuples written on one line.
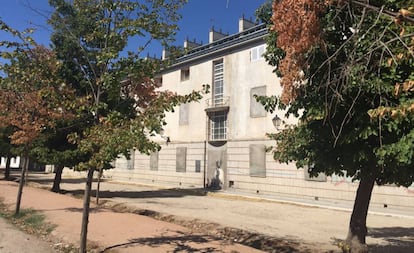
[(6, 148), (32, 96), (355, 115), (28, 220), (123, 107), (273, 54)]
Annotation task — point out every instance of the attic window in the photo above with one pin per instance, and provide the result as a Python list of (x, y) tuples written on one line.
[(185, 74), (256, 53)]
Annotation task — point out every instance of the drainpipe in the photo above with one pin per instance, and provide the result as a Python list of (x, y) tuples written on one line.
[(205, 160)]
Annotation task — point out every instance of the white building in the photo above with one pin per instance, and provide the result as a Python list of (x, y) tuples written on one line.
[(224, 136), (14, 162)]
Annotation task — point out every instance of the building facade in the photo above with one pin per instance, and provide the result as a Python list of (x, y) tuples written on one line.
[(220, 142)]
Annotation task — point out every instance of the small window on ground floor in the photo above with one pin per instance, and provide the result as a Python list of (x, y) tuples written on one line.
[(154, 161), (181, 159), (197, 165), (320, 178), (257, 160)]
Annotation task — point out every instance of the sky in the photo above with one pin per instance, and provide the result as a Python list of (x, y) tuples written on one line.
[(198, 17)]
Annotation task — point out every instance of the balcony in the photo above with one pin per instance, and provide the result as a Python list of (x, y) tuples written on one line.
[(217, 104)]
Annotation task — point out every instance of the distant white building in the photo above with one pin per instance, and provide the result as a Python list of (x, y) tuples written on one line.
[(14, 162)]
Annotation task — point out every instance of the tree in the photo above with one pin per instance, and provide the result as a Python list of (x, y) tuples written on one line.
[(6, 149), (123, 108), (53, 147), (346, 69), (32, 97)]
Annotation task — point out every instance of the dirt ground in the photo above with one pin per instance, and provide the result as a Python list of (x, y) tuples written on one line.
[(121, 232), (303, 227), (219, 219)]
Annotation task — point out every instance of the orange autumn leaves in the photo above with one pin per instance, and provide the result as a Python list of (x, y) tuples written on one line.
[(298, 29), (297, 26), (32, 97)]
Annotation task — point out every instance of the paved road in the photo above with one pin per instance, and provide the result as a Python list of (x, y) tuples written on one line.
[(13, 240), (304, 224)]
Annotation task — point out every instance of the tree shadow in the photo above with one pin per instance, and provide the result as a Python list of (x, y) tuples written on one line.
[(397, 239), (49, 181), (75, 209), (165, 193), (180, 243)]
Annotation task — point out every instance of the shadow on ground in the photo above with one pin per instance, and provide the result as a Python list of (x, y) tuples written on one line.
[(49, 181), (181, 243), (74, 209), (167, 193), (398, 240)]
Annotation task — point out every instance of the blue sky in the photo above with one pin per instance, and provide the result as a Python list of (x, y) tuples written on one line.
[(198, 16)]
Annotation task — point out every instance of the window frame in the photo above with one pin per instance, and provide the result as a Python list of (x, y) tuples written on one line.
[(218, 126), (185, 74), (257, 53), (218, 82)]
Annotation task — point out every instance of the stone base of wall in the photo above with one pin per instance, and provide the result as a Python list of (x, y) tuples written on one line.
[(280, 179)]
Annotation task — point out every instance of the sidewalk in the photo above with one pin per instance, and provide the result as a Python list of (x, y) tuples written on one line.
[(304, 227)]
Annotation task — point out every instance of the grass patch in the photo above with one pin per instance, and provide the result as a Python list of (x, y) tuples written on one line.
[(28, 220), (32, 221)]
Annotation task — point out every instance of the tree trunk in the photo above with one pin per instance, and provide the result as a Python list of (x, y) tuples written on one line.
[(26, 171), (58, 178), (98, 187), (85, 214), (358, 224), (22, 182), (7, 169)]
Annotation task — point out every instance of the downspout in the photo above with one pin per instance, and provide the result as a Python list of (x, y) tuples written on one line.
[(205, 160)]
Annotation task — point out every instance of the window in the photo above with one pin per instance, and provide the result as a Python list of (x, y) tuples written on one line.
[(257, 160), (154, 160), (256, 53), (321, 177), (218, 84), (183, 117), (181, 159), (130, 161), (256, 108), (197, 165), (218, 125), (185, 74), (158, 81)]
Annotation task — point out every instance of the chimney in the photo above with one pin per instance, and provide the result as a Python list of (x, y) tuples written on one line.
[(245, 24), (191, 44), (165, 54), (215, 35), (148, 57)]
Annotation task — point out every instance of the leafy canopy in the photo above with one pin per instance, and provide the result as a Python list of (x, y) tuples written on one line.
[(123, 105), (347, 70), (32, 96)]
